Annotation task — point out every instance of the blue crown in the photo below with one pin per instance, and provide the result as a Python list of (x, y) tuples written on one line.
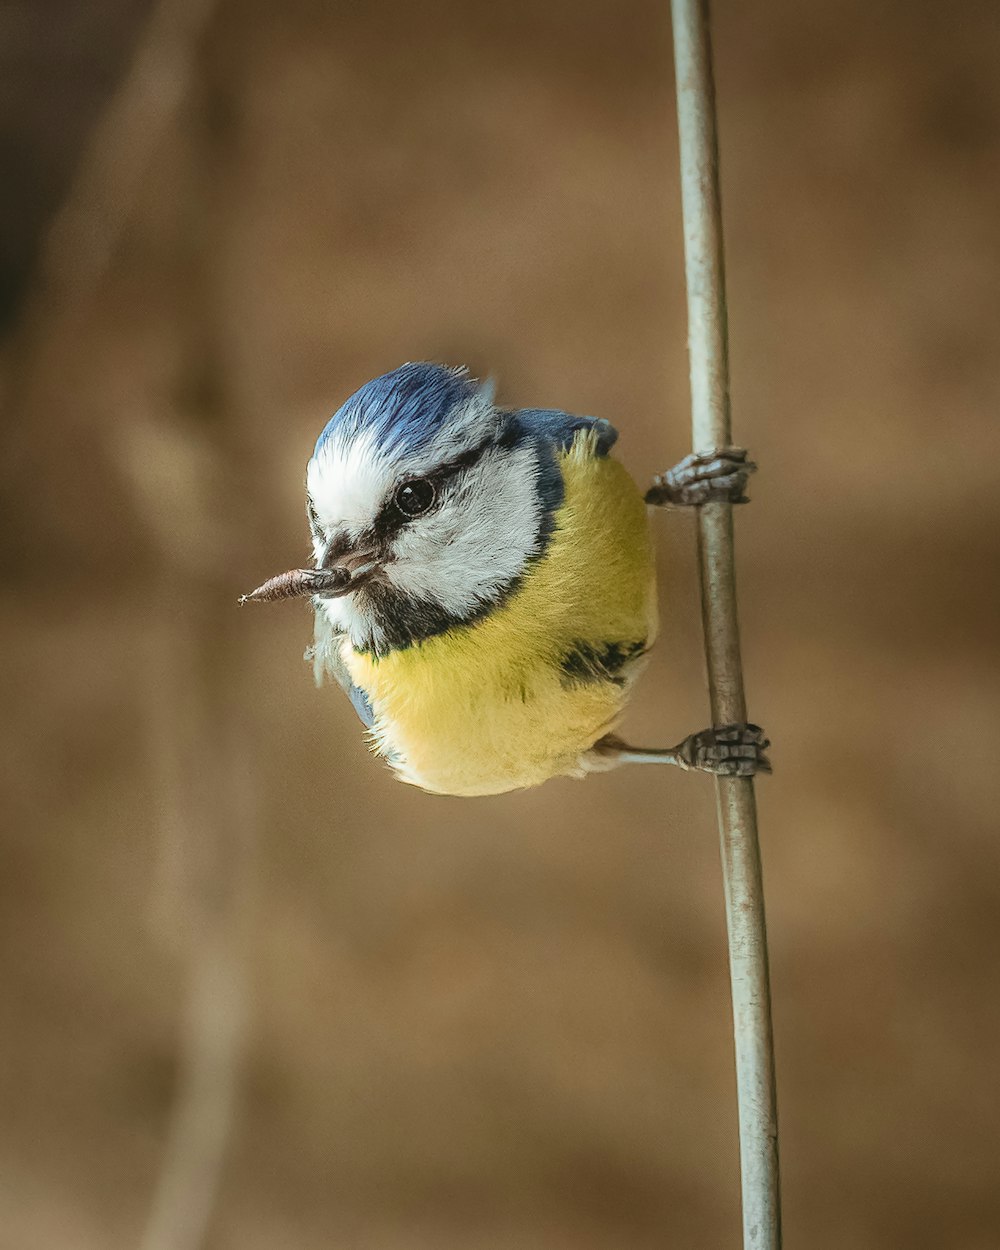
[(404, 408)]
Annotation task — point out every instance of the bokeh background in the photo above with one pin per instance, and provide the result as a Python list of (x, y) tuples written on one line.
[(256, 994)]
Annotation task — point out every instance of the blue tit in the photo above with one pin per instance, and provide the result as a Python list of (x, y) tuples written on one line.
[(484, 584)]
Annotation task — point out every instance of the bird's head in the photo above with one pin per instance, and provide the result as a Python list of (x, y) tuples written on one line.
[(434, 500)]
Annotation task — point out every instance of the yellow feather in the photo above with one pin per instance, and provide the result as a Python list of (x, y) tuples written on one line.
[(486, 707)]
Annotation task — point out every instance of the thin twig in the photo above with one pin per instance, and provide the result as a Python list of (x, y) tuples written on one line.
[(204, 802), (206, 810), (711, 427), (201, 1118), (83, 238)]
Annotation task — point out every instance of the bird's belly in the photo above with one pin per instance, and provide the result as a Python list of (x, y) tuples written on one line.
[(476, 736), (518, 696)]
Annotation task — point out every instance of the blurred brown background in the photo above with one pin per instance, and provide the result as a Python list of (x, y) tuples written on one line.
[(256, 993)]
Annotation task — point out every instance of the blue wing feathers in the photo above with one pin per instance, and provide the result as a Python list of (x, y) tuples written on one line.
[(327, 661), (562, 427), (362, 705)]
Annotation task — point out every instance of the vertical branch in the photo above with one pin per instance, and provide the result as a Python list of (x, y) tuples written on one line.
[(207, 811), (200, 758), (711, 427)]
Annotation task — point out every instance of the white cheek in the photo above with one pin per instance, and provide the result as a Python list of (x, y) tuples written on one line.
[(461, 555), (347, 484)]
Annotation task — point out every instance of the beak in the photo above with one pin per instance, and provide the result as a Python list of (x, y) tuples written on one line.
[(300, 582), (351, 570)]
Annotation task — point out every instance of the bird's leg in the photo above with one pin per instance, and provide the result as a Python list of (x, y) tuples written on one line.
[(717, 474), (726, 751)]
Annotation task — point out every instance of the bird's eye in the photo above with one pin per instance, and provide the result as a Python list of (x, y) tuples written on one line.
[(415, 497)]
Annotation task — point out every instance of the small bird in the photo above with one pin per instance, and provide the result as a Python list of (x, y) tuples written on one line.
[(484, 585)]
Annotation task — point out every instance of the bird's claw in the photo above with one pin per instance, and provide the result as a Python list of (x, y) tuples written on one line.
[(727, 751), (720, 473)]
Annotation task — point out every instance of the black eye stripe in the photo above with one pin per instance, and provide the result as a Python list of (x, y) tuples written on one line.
[(464, 461), (391, 520)]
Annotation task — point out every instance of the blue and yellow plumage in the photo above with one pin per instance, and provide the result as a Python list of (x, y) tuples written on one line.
[(511, 700), (484, 584)]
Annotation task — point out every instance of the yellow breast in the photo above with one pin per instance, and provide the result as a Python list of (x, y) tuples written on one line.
[(493, 706)]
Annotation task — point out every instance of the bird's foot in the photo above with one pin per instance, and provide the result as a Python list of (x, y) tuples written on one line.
[(703, 477), (726, 751)]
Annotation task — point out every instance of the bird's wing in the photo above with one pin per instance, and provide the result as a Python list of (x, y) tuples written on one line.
[(327, 660), (561, 428)]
